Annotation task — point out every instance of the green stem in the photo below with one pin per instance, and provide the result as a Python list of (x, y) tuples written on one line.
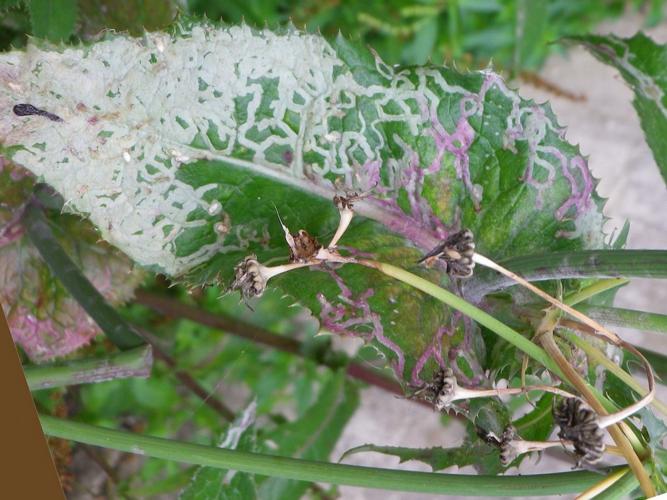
[(626, 318), (119, 332), (307, 470), (133, 363), (581, 264)]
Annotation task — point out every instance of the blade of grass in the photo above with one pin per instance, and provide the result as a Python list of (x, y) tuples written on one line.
[(658, 362), (117, 330), (133, 363), (594, 289), (307, 470), (581, 264), (606, 484), (621, 489), (626, 318)]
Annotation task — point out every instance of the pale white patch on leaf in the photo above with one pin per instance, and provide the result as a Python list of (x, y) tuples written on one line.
[(132, 108)]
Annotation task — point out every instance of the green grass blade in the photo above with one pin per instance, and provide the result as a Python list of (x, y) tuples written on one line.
[(133, 363), (626, 318), (581, 264), (119, 332)]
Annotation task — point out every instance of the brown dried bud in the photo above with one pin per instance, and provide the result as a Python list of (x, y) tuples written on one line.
[(579, 423), (457, 252), (346, 202), (304, 247), (249, 278)]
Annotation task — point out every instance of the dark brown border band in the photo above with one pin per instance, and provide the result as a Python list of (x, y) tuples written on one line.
[(26, 467)]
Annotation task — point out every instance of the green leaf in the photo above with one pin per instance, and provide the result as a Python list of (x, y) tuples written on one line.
[(53, 20), (537, 424), (314, 435), (643, 65), (8, 4), (420, 48), (222, 484), (654, 427), (132, 16), (182, 158), (530, 29)]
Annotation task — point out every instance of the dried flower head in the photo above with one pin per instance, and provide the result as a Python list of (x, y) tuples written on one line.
[(303, 247), (579, 423), (441, 390), (249, 278), (508, 449), (457, 252), (511, 445)]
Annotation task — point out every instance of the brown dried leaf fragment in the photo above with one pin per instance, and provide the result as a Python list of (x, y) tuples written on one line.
[(347, 202), (303, 247)]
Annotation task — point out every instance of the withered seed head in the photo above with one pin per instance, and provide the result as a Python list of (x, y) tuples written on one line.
[(579, 423), (457, 252), (508, 443), (508, 451), (248, 278), (305, 247), (441, 390)]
